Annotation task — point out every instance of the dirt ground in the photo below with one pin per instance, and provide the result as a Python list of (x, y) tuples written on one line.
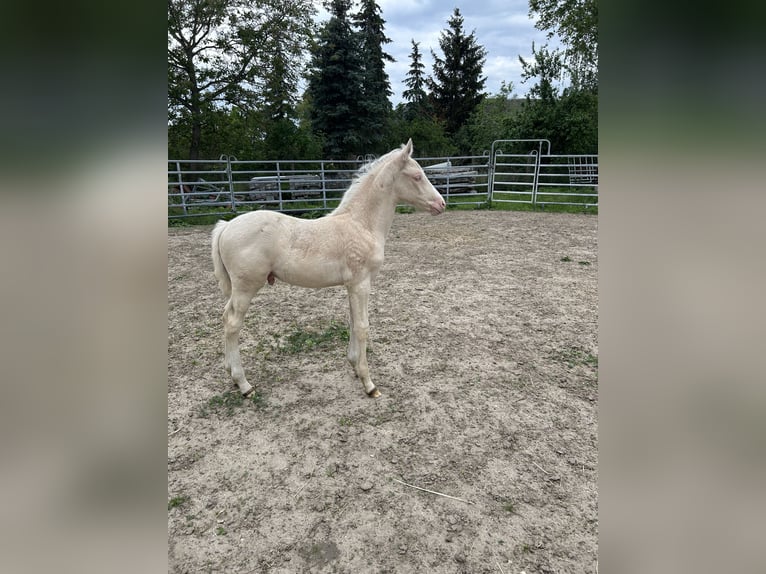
[(483, 341)]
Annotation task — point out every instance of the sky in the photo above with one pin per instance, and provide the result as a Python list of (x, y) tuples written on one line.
[(502, 27)]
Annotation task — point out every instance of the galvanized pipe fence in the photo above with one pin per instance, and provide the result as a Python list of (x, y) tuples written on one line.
[(520, 172)]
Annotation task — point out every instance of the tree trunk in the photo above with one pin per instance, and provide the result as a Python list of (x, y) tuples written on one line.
[(196, 135)]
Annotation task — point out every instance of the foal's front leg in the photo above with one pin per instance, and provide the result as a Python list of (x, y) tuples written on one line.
[(358, 297)]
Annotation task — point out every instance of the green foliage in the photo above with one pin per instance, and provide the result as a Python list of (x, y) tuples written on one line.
[(234, 67), (569, 119), (415, 95), (335, 84), (376, 87), (576, 23), (218, 52), (457, 84), (428, 134), (348, 86), (490, 121)]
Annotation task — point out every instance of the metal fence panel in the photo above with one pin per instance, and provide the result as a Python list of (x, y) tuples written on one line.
[(533, 177)]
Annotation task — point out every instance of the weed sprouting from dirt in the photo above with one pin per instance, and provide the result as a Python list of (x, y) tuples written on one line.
[(576, 356), (302, 340), (509, 506), (177, 501), (228, 402)]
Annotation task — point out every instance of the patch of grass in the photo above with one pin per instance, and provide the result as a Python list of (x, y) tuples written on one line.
[(220, 531), (576, 356), (228, 402), (345, 421), (300, 340), (499, 205), (509, 506), (583, 262), (175, 222), (566, 259), (257, 399), (177, 501)]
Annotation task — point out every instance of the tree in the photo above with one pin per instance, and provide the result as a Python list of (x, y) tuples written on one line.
[(335, 84), (376, 87), (576, 23), (568, 119), (415, 95), (457, 84), (427, 133), (489, 122), (217, 50), (546, 66), (284, 62)]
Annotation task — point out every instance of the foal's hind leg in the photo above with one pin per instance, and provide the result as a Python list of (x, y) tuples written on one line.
[(233, 318), (358, 297)]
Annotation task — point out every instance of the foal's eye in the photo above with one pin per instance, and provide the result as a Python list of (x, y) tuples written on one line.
[(417, 177)]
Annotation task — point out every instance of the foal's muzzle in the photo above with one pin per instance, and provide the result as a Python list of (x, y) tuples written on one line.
[(437, 206)]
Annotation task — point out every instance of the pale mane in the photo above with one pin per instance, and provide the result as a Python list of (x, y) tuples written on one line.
[(361, 176)]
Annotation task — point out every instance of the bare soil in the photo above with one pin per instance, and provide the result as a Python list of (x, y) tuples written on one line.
[(484, 344)]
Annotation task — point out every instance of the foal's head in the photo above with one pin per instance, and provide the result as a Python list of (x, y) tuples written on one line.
[(412, 186)]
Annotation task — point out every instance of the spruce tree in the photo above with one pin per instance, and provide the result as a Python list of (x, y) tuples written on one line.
[(375, 105), (335, 85), (415, 94), (457, 84)]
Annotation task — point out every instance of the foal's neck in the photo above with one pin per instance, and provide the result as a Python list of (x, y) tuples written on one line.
[(373, 204)]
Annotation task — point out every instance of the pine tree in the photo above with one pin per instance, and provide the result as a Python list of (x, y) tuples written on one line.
[(376, 87), (457, 84), (415, 94), (335, 84)]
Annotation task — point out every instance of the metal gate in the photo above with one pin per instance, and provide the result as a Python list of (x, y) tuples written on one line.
[(523, 171)]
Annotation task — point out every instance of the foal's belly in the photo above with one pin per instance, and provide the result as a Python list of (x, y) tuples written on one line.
[(311, 275), (317, 273)]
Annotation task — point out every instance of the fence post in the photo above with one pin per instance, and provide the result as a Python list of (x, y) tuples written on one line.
[(491, 175), (181, 187), (231, 185), (279, 187), (324, 186), (535, 177)]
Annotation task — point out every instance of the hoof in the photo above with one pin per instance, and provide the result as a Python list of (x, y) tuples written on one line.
[(374, 393), (247, 390)]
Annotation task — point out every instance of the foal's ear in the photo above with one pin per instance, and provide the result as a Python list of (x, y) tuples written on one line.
[(407, 149)]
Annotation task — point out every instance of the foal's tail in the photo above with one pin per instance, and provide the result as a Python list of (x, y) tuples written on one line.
[(224, 281)]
